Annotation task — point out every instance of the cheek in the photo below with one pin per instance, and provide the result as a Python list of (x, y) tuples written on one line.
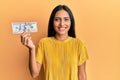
[(69, 24), (55, 24)]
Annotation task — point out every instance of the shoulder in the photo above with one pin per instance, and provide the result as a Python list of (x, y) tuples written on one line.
[(45, 39), (78, 41)]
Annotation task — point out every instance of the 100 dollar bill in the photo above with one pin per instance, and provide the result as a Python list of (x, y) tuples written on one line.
[(20, 27)]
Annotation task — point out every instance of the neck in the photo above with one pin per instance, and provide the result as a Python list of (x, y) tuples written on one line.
[(61, 37)]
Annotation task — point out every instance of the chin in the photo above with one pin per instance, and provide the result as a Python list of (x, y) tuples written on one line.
[(62, 33)]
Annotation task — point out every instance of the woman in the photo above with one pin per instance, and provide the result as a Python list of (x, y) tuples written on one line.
[(62, 55)]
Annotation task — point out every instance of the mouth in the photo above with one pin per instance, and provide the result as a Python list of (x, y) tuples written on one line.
[(61, 28)]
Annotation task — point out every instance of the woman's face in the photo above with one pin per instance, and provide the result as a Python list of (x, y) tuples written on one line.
[(62, 22)]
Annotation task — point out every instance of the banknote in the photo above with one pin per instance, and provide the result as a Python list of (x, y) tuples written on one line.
[(20, 27)]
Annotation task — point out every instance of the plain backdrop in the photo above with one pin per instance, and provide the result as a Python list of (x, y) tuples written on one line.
[(97, 24)]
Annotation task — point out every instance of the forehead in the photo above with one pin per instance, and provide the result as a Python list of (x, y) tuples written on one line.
[(62, 13)]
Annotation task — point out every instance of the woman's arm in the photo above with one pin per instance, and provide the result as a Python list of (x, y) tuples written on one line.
[(34, 67), (82, 72)]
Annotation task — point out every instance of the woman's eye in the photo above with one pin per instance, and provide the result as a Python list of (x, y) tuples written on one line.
[(57, 19), (66, 19)]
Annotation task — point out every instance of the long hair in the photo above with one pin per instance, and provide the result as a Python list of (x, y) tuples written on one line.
[(51, 31)]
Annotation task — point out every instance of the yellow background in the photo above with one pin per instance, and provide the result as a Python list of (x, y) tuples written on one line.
[(97, 24)]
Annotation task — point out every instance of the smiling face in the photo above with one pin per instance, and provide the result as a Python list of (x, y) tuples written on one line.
[(62, 22)]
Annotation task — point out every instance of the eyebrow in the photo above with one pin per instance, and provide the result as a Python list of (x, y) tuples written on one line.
[(60, 17)]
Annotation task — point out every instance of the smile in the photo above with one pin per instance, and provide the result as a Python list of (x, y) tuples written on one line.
[(61, 28)]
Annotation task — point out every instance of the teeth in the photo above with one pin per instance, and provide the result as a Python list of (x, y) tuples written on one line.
[(61, 28)]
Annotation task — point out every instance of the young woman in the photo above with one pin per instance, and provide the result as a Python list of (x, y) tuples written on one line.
[(62, 55)]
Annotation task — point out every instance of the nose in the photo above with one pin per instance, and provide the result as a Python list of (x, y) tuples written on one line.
[(62, 22)]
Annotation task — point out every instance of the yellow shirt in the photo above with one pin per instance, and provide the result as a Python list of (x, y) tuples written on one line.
[(61, 59)]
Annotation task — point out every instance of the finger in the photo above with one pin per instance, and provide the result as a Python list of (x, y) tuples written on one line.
[(24, 36), (25, 33), (22, 40), (26, 40), (28, 30)]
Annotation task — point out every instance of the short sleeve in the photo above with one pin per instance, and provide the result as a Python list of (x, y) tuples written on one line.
[(40, 53), (82, 53)]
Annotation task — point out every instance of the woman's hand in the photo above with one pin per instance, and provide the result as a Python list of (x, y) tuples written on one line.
[(26, 40)]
